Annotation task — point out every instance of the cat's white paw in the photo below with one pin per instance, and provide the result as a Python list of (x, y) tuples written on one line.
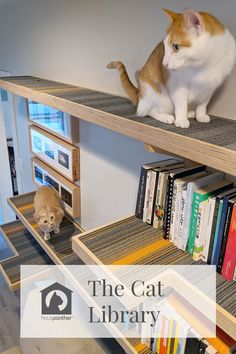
[(191, 114), (164, 118), (47, 236), (57, 231), (183, 123), (203, 119)]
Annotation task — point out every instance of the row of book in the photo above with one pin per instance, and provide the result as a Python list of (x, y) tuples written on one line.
[(172, 334), (195, 208)]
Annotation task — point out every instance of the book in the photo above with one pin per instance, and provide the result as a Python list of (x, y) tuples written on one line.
[(199, 196), (170, 183), (159, 205), (193, 342), (211, 227), (204, 344), (152, 195), (142, 183), (229, 264), (224, 201), (147, 193), (200, 230), (191, 188), (177, 203), (225, 235), (182, 205)]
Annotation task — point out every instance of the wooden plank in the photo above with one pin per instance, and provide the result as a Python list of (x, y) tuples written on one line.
[(59, 247), (205, 144), (113, 243)]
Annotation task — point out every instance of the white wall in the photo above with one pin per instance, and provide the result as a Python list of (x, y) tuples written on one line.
[(72, 41)]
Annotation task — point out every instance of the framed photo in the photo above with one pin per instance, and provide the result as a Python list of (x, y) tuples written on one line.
[(56, 122), (69, 192), (55, 152)]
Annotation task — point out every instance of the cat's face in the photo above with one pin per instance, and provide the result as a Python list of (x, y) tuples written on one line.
[(47, 220), (188, 39)]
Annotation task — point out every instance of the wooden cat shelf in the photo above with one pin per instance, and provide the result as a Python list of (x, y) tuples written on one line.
[(213, 144)]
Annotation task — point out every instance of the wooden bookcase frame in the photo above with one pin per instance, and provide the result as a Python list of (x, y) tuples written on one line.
[(58, 148), (72, 206), (71, 122)]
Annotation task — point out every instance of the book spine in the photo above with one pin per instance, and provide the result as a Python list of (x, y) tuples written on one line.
[(177, 214), (225, 237), (221, 231), (173, 212), (198, 243), (228, 269), (213, 229), (141, 193), (151, 197), (167, 216), (158, 209), (187, 216), (181, 218), (216, 236), (147, 194), (193, 223), (210, 216)]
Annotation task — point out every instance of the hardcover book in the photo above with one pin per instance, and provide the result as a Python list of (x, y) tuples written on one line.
[(191, 188), (170, 184), (142, 183), (159, 206), (224, 201), (229, 264), (199, 196), (225, 235)]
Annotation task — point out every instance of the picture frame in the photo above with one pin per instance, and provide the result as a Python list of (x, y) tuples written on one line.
[(69, 192), (55, 152), (52, 120)]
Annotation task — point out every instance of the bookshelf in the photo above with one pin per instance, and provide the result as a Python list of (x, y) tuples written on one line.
[(198, 144)]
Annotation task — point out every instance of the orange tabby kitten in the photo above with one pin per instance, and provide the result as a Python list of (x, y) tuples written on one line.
[(48, 210), (183, 71)]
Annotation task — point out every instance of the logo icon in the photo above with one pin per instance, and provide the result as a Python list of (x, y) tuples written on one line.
[(56, 300)]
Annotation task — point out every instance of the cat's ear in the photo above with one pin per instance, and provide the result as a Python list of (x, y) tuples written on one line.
[(193, 20), (171, 14)]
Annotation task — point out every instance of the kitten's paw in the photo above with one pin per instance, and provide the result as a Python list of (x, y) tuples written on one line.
[(183, 123), (191, 114), (57, 231), (203, 119), (47, 237)]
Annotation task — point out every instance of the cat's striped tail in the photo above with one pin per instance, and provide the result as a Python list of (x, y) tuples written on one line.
[(129, 88)]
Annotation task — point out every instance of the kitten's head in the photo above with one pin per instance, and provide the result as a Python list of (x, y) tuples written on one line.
[(188, 39), (48, 219)]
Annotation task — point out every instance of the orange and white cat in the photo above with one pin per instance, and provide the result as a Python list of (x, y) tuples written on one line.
[(183, 71), (48, 210)]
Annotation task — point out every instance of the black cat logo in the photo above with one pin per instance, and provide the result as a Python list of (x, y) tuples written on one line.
[(56, 300)]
